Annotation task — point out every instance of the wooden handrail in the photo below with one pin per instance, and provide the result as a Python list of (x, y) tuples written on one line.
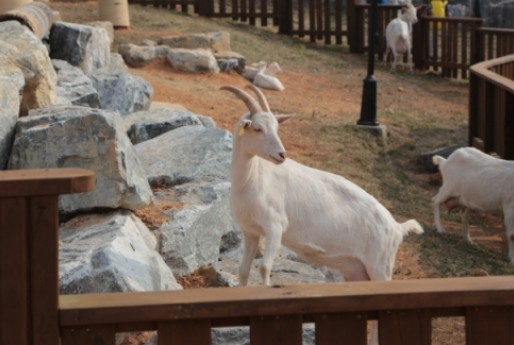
[(76, 310), (483, 69), (29, 224), (32, 182)]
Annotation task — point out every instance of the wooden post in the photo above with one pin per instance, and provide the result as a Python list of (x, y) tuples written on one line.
[(29, 224), (285, 26)]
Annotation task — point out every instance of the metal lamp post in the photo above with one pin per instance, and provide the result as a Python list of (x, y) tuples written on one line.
[(369, 95)]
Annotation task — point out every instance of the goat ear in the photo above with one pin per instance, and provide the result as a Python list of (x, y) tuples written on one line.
[(244, 124), (283, 117)]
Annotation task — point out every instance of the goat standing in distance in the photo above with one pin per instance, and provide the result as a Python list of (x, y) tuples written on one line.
[(398, 35), (475, 180), (324, 218)]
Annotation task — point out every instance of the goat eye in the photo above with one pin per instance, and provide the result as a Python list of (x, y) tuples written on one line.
[(258, 130)]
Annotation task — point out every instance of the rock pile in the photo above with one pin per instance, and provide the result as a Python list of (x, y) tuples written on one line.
[(67, 101)]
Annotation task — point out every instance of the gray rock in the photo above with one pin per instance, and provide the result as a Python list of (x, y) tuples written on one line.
[(241, 335), (21, 48), (284, 272), (84, 46), (74, 85), (86, 138), (187, 153), (214, 41), (193, 60), (193, 236), (10, 77), (112, 252), (196, 161), (425, 159), (117, 62), (107, 26), (230, 61), (145, 125), (138, 56), (121, 91)]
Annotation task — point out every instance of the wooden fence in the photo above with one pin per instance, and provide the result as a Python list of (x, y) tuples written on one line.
[(449, 45), (491, 106), (33, 313)]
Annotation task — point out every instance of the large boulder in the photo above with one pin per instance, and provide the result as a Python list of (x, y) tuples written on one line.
[(84, 46), (138, 56), (86, 138), (21, 48), (10, 79), (121, 91), (148, 124), (191, 165), (75, 86), (190, 153), (113, 252), (193, 60)]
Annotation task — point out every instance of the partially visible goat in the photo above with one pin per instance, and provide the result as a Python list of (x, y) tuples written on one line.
[(263, 75), (398, 35), (478, 181), (323, 217)]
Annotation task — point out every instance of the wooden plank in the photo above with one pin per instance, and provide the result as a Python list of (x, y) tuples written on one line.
[(276, 330), (14, 307), (319, 19), (97, 335), (301, 18), (44, 261), (180, 332), (286, 300), (312, 21), (235, 9), (264, 12), (252, 12), (327, 21), (339, 21), (332, 328), (406, 327), (490, 325), (34, 182), (244, 11)]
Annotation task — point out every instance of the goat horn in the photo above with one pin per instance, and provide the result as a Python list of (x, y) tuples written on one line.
[(261, 98), (251, 103)]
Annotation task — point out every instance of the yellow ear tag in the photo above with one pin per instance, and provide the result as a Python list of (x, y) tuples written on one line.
[(241, 129)]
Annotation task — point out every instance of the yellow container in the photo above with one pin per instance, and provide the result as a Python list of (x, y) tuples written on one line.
[(114, 11), (438, 8), (7, 5)]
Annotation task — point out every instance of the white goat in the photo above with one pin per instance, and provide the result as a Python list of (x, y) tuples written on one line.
[(323, 217), (398, 35), (478, 181)]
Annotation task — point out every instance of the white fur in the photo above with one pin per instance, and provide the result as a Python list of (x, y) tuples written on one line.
[(324, 218), (476, 181), (398, 35)]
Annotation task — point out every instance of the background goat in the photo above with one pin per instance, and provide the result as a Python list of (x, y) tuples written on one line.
[(322, 217), (398, 35), (478, 181)]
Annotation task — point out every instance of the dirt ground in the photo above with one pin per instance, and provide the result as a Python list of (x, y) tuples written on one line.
[(322, 98)]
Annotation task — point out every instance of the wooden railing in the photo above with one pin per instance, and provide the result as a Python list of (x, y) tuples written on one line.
[(449, 45), (275, 315), (29, 224), (32, 312), (491, 106)]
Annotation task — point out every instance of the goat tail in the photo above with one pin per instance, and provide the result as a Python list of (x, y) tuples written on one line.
[(437, 160), (411, 225)]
